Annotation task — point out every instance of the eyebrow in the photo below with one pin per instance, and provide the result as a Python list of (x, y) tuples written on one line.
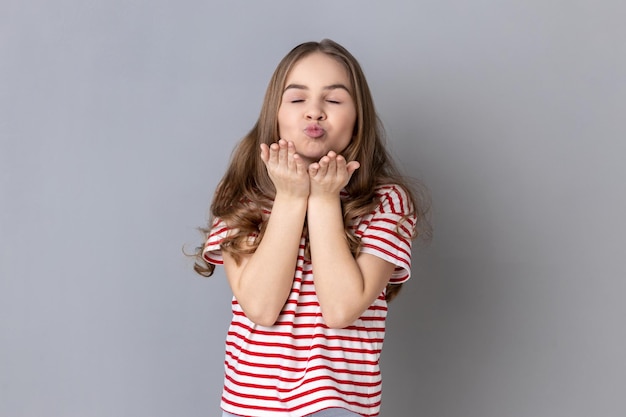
[(328, 87)]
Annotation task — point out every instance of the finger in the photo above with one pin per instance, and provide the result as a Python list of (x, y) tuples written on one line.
[(340, 163), (301, 167), (332, 164), (283, 152), (291, 153), (323, 166), (265, 153), (313, 169), (274, 148)]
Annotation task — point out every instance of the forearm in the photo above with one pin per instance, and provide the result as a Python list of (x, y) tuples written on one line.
[(339, 283), (266, 279)]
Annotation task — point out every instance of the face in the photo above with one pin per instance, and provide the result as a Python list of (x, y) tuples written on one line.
[(317, 112)]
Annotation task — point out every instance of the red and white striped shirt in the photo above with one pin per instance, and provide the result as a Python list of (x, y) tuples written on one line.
[(299, 365)]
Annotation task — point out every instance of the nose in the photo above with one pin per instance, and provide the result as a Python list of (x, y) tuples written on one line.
[(315, 112)]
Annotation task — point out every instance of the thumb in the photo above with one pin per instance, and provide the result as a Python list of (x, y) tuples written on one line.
[(352, 166)]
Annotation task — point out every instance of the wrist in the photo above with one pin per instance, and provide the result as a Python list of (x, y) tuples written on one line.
[(291, 199), (324, 199), (325, 216)]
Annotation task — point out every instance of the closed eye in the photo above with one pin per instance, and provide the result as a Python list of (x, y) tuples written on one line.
[(297, 101), (333, 101)]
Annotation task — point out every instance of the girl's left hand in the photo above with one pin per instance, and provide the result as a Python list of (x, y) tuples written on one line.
[(331, 174)]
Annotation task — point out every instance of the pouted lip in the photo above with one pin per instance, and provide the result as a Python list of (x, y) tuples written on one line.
[(314, 130)]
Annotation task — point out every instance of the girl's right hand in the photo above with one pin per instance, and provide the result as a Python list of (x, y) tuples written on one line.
[(286, 168)]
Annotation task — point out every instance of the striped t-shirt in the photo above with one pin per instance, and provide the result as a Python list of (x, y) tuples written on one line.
[(299, 365)]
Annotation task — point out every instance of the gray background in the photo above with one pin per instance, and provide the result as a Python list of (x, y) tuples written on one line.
[(117, 119)]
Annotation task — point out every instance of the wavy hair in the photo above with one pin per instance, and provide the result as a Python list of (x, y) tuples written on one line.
[(246, 193)]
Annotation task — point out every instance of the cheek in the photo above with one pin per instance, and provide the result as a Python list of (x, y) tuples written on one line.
[(280, 120), (350, 125), (284, 119), (349, 118)]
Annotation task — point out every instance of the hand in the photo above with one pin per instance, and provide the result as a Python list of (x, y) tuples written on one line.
[(286, 168), (331, 174)]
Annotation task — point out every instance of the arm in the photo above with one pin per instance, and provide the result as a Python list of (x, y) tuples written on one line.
[(345, 286), (262, 281)]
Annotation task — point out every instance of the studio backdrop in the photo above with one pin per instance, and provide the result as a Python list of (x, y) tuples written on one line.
[(117, 120)]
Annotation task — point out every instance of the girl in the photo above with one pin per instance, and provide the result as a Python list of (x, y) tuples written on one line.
[(313, 226)]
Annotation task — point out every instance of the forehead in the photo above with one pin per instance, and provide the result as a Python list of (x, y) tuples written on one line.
[(318, 69)]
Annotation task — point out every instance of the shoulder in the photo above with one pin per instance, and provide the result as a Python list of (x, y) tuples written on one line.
[(395, 210), (394, 199)]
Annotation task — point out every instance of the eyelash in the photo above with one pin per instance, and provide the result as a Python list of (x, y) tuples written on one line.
[(328, 101)]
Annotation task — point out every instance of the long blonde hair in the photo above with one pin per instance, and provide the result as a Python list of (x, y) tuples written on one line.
[(246, 191)]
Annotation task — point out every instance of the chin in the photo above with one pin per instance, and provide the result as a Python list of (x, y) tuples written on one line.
[(313, 156), (316, 158)]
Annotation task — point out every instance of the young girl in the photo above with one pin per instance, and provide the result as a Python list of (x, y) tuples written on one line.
[(313, 226)]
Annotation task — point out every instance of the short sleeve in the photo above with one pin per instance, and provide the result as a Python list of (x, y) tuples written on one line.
[(212, 252), (388, 231)]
